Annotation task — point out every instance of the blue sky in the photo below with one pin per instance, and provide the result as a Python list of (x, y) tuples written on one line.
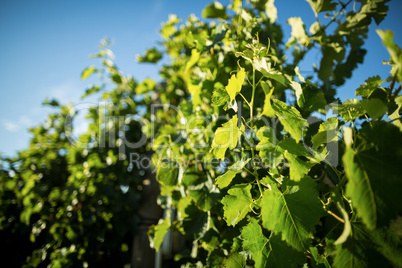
[(46, 43)]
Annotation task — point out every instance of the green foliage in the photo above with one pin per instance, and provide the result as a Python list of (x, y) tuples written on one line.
[(67, 204), (289, 188), (249, 174)]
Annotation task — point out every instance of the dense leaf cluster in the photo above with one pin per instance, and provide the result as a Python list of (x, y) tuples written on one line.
[(293, 186)]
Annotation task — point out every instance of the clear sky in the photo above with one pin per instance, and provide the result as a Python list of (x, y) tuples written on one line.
[(45, 45)]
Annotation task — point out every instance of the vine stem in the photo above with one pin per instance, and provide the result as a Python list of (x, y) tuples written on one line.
[(335, 216), (252, 130), (336, 15), (252, 114)]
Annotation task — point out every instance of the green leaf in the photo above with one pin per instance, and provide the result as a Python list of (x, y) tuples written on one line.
[(321, 5), (204, 194), (394, 50), (195, 56), (145, 86), (91, 90), (290, 118), (220, 33), (215, 11), (359, 189), (261, 65), (298, 167), (331, 52), (375, 107), (203, 199), (237, 203), (309, 97), (271, 11), (373, 173), (298, 33), (196, 222), (389, 244), (225, 179), (327, 132), (269, 152), (225, 137), (220, 97), (293, 212), (235, 260), (272, 252), (235, 83), (151, 56), (167, 173), (158, 232), (369, 86), (268, 111), (87, 72), (359, 250), (395, 116), (349, 110), (255, 242)]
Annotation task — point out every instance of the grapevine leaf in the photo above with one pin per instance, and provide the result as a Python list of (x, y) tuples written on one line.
[(375, 107), (225, 179), (237, 203), (195, 56), (235, 260), (220, 97), (158, 232), (235, 83), (151, 56), (271, 11), (263, 67), (204, 194), (309, 97), (373, 174), (196, 222), (326, 133), (220, 32), (290, 118), (360, 189), (359, 250), (395, 115), (167, 173), (394, 50), (298, 33), (215, 11), (389, 245), (255, 242), (298, 167), (294, 148), (349, 110), (369, 86), (146, 86), (204, 199), (269, 152), (272, 252), (268, 111), (225, 137), (292, 213), (319, 259), (321, 5), (87, 72)]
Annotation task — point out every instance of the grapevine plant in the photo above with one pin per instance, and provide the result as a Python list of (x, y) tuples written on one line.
[(259, 163), (253, 168)]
